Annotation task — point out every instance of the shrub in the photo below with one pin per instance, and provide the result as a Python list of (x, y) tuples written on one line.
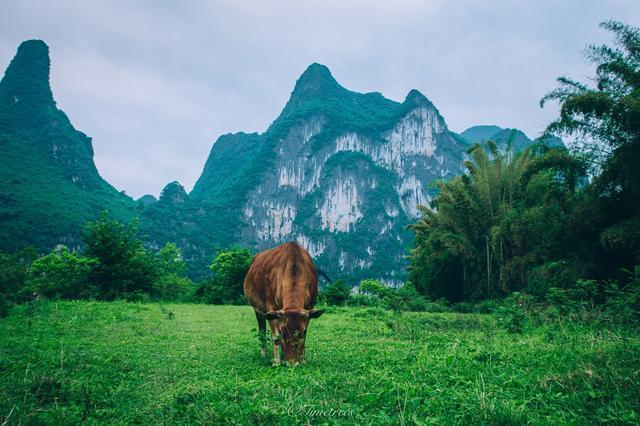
[(373, 288), (13, 277), (579, 300), (487, 306), (171, 284), (62, 275), (622, 303), (556, 274), (405, 298), (170, 261), (363, 300), (123, 267), (229, 268), (173, 288), (336, 293), (518, 306)]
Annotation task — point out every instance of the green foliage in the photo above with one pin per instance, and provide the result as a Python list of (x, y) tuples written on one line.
[(173, 288), (605, 120), (373, 288), (13, 277), (124, 268), (137, 363), (336, 293), (514, 311), (486, 231), (560, 274), (171, 285), (114, 265), (532, 221), (622, 303), (170, 260), (404, 298), (49, 185), (229, 268), (62, 275), (605, 302)]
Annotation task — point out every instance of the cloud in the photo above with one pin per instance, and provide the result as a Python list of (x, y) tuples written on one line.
[(156, 82)]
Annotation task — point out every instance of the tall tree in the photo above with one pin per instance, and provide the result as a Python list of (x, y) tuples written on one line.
[(123, 268), (605, 118)]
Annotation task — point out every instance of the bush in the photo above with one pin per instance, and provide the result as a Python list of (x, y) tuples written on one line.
[(173, 288), (373, 288), (487, 306), (579, 300), (171, 284), (513, 313), (363, 300), (62, 275), (13, 277), (336, 293), (123, 267), (557, 274), (622, 303), (170, 261), (229, 268), (404, 298)]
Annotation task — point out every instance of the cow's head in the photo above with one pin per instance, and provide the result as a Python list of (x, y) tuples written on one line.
[(292, 325)]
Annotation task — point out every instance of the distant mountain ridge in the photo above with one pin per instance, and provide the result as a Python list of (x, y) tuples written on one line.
[(341, 172), (502, 137)]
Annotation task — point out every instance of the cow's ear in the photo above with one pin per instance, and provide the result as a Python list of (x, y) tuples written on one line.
[(271, 315), (315, 313)]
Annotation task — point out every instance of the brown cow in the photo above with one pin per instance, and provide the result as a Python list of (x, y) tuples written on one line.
[(282, 287)]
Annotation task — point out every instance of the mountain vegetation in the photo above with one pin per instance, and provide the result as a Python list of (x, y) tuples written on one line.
[(49, 186)]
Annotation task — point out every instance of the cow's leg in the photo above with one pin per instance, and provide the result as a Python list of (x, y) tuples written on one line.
[(275, 334), (262, 334)]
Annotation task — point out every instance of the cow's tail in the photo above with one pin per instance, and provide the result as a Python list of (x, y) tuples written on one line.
[(323, 274)]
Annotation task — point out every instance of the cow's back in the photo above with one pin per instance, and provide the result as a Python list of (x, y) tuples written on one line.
[(282, 278)]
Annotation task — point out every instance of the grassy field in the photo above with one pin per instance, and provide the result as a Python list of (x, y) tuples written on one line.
[(72, 362)]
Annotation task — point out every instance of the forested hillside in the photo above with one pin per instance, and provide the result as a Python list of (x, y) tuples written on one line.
[(49, 185)]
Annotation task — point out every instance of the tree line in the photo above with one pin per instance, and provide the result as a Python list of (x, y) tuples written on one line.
[(114, 264)]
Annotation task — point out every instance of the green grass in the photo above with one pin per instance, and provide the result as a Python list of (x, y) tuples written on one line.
[(139, 363)]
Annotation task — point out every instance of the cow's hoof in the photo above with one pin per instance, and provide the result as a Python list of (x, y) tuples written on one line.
[(276, 362), (263, 353)]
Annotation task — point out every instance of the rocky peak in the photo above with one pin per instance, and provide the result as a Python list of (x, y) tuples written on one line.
[(173, 193), (414, 97), (147, 200), (316, 80), (26, 80)]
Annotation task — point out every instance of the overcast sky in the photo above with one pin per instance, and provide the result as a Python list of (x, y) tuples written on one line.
[(155, 83)]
